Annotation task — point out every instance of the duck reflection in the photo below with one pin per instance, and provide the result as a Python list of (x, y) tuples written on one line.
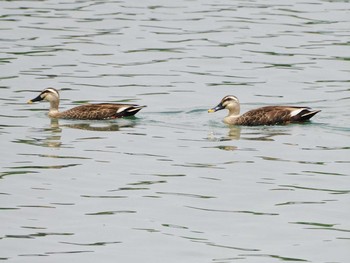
[(233, 134), (51, 136), (96, 126), (47, 137), (266, 133)]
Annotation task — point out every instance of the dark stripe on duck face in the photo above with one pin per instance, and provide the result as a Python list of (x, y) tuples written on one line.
[(222, 105), (229, 98), (50, 90)]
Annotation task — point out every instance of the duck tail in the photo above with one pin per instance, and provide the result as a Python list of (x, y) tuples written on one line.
[(129, 111), (306, 114)]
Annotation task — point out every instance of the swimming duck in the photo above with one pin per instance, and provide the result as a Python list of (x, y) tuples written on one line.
[(102, 111), (269, 115)]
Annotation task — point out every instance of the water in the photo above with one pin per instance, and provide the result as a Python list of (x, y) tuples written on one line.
[(174, 184)]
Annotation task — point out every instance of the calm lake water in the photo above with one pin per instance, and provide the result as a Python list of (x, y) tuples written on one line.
[(174, 184)]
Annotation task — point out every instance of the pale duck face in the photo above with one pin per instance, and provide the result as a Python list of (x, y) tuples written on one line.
[(49, 94), (230, 103)]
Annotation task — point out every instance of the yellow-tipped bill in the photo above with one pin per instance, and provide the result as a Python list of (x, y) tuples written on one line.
[(216, 108), (29, 101)]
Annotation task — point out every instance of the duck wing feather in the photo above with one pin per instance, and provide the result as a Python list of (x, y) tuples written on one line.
[(102, 111), (272, 115)]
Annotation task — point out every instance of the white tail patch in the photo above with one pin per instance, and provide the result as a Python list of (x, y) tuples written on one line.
[(296, 112), (121, 109), (135, 109)]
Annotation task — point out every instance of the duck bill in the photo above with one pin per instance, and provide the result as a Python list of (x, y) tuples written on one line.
[(39, 98), (218, 107)]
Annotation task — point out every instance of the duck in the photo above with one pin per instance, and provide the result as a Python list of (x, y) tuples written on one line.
[(268, 115), (101, 111)]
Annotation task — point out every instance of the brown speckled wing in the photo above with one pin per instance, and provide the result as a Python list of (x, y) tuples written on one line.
[(101, 111), (270, 115)]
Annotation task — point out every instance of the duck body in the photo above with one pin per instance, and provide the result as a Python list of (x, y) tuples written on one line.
[(101, 111), (269, 115)]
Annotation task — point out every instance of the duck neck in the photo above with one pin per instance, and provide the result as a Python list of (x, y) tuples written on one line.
[(53, 112), (230, 119), (234, 111), (233, 114)]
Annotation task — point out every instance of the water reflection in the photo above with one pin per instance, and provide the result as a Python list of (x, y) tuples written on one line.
[(234, 133), (51, 136), (260, 133), (47, 137), (171, 190), (266, 133), (92, 127), (116, 125)]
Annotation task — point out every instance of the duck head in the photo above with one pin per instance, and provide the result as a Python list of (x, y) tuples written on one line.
[(49, 94), (229, 102)]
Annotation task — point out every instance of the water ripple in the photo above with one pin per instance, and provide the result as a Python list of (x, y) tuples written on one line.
[(175, 179)]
